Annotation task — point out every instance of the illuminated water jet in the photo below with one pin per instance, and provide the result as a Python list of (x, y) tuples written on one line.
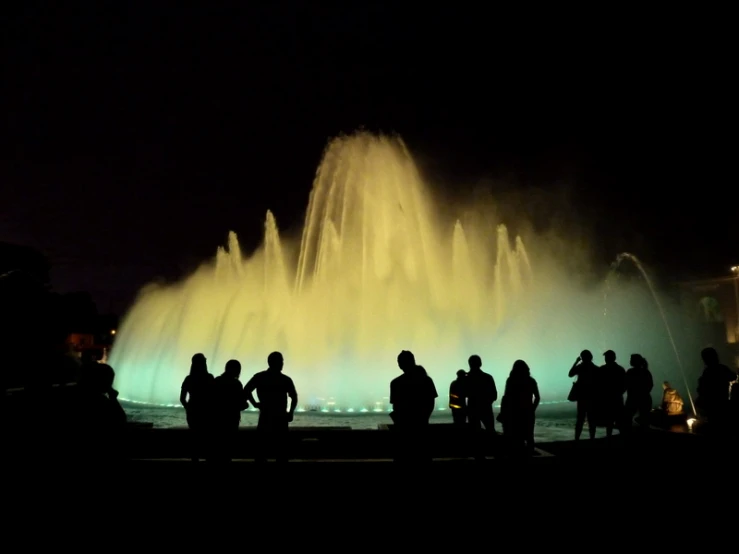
[(637, 263), (377, 270)]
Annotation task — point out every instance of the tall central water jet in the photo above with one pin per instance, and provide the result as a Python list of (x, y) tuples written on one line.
[(378, 270)]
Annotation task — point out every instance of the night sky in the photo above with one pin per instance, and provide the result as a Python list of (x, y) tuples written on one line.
[(136, 135)]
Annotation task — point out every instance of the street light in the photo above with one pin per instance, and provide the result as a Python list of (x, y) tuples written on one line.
[(735, 271)]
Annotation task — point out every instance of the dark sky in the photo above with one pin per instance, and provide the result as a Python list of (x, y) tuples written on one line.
[(136, 135)]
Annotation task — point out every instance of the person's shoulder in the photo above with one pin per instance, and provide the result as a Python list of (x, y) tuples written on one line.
[(286, 378), (186, 381), (398, 379)]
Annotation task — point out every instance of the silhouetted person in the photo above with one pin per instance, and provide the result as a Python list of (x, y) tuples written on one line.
[(273, 389), (518, 408), (228, 401), (713, 387), (481, 395), (639, 385), (99, 419), (585, 391), (88, 362), (195, 397), (610, 393), (413, 397), (458, 398)]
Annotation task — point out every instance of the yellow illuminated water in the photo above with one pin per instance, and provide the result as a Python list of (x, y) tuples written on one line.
[(377, 270)]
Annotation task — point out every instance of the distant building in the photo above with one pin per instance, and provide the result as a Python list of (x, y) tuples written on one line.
[(715, 301), (82, 342)]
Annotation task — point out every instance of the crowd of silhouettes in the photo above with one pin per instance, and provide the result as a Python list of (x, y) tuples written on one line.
[(472, 396), (599, 394), (214, 405), (606, 396)]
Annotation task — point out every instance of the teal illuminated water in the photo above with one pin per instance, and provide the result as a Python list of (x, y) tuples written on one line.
[(554, 423)]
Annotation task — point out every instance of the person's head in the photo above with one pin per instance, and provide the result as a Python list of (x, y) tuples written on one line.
[(104, 375), (233, 369), (475, 362), (406, 360), (610, 356), (520, 369), (461, 374), (198, 365), (709, 356), (275, 361), (636, 360), (666, 385), (586, 356)]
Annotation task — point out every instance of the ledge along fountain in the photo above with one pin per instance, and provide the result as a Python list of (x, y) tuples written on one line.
[(378, 269)]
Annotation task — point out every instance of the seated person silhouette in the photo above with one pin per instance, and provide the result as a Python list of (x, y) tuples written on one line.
[(273, 389), (671, 410), (99, 419), (413, 397), (227, 403)]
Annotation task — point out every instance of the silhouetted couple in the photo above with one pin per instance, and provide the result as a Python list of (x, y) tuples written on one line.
[(598, 392), (214, 408)]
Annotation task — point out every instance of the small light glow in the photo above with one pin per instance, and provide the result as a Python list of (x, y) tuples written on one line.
[(691, 422), (735, 269), (112, 331)]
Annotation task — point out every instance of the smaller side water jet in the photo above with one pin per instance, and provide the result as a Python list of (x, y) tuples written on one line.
[(637, 263)]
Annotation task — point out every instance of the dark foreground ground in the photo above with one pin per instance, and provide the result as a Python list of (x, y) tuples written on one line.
[(341, 485)]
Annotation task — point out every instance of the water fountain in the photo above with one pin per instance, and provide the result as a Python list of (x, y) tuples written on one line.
[(378, 269), (626, 256)]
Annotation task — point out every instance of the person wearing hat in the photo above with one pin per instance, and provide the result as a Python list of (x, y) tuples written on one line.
[(611, 392), (458, 398)]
